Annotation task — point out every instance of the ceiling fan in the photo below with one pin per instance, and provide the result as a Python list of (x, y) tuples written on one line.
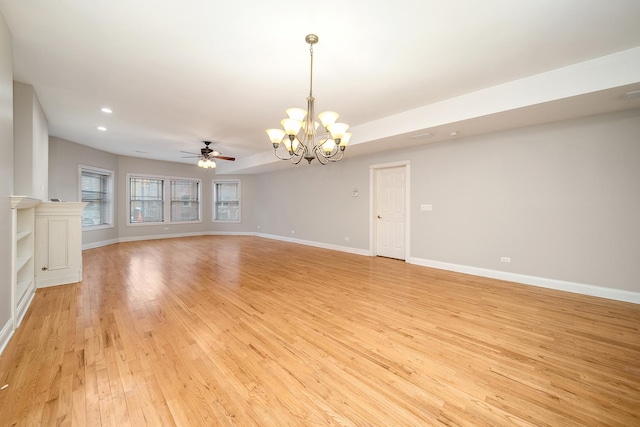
[(206, 156)]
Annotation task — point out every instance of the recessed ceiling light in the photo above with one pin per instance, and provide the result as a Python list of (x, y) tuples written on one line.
[(102, 128), (454, 133), (106, 110)]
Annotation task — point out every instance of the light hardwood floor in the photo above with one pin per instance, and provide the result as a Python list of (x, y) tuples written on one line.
[(248, 331)]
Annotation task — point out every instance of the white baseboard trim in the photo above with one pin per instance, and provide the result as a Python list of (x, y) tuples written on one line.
[(347, 249), (57, 281), (159, 237), (230, 233), (5, 334), (560, 285), (94, 245), (329, 246), (22, 308)]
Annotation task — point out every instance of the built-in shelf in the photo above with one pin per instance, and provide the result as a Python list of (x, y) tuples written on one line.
[(21, 261), (23, 286), (23, 255), (22, 234)]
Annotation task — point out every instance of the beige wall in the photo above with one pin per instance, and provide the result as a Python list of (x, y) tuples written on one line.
[(6, 173)]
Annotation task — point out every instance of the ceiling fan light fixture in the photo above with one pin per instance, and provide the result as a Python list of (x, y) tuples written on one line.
[(207, 156), (206, 163), (309, 145)]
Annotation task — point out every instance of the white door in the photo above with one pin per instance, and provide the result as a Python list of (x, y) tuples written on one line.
[(389, 212)]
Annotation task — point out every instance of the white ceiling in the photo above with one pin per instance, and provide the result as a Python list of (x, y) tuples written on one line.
[(176, 73)]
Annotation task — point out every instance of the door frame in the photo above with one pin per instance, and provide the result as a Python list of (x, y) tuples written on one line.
[(372, 205)]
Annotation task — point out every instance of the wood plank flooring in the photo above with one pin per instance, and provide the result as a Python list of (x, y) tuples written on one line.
[(236, 330)]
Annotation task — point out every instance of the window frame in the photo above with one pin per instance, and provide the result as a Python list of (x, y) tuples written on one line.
[(110, 213), (214, 213), (166, 199), (185, 203)]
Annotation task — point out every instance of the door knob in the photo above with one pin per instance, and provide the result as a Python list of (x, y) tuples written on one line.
[(379, 217)]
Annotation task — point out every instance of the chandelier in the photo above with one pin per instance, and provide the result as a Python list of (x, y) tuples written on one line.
[(328, 147)]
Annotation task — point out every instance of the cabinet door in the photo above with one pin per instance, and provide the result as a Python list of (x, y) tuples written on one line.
[(52, 248)]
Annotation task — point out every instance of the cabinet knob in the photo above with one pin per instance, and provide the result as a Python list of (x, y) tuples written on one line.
[(44, 268)]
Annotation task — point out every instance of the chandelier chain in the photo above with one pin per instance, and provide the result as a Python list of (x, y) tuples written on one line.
[(311, 73)]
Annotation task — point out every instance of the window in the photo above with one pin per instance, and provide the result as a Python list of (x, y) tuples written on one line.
[(185, 205), (96, 189), (148, 196), (226, 200), (146, 201)]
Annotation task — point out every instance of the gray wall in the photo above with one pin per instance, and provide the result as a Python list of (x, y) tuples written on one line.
[(64, 160), (561, 200), (6, 170), (66, 156), (152, 167), (314, 202)]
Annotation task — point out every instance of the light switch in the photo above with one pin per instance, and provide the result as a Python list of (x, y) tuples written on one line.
[(426, 207)]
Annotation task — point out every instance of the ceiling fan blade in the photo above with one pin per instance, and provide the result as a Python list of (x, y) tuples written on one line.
[(189, 152), (190, 157), (233, 159)]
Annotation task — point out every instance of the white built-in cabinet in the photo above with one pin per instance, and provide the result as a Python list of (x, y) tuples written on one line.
[(22, 251), (58, 243), (46, 248)]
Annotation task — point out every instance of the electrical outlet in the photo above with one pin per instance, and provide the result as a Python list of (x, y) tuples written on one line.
[(426, 207), (346, 239), (505, 259), (166, 228)]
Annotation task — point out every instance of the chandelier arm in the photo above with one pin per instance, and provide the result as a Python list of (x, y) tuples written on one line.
[(289, 157), (296, 159), (318, 154), (321, 159), (334, 152), (281, 158), (336, 159), (331, 157)]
